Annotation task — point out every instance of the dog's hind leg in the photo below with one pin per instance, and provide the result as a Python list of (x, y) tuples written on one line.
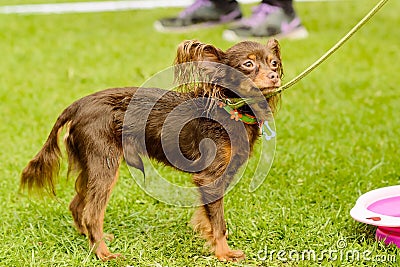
[(76, 207), (101, 179)]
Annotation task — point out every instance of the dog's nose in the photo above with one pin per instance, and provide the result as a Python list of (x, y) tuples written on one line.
[(273, 76)]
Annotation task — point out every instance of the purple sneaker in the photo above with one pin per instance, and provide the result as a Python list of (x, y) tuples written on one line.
[(202, 13), (267, 21)]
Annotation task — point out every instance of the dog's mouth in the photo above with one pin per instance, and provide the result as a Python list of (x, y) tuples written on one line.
[(268, 90)]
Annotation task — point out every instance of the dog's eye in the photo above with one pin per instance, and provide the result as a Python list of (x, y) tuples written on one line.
[(248, 64), (274, 63)]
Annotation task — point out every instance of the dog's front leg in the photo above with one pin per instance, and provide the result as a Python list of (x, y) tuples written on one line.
[(209, 219), (222, 251)]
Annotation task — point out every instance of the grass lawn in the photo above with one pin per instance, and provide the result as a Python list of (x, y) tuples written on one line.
[(33, 2), (338, 137)]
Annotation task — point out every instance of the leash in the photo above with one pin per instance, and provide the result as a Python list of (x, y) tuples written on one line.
[(236, 103), (232, 104), (357, 27)]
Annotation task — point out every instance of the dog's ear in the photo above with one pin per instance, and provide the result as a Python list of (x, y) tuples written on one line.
[(273, 46), (196, 65), (193, 50)]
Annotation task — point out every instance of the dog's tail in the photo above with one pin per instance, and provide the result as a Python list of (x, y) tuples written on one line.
[(43, 168)]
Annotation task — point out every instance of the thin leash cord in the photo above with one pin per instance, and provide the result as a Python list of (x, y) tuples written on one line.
[(330, 51)]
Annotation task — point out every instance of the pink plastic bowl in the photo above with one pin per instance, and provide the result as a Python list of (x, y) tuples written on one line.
[(381, 207), (389, 235), (388, 206)]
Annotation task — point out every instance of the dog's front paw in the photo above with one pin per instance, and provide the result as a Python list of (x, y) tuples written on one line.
[(108, 256), (104, 254), (231, 255)]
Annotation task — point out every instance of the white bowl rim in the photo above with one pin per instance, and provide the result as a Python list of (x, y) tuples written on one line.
[(360, 212)]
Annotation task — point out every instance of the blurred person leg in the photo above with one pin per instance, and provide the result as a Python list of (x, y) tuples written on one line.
[(271, 18), (202, 13)]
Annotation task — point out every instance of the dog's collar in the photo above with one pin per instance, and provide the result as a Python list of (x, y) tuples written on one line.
[(232, 104)]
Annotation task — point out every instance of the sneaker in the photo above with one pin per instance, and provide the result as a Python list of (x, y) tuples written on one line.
[(267, 21), (202, 13)]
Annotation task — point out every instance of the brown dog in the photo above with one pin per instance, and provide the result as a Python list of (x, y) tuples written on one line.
[(109, 125)]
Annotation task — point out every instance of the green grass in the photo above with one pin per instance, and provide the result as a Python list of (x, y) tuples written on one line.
[(338, 137), (33, 2)]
